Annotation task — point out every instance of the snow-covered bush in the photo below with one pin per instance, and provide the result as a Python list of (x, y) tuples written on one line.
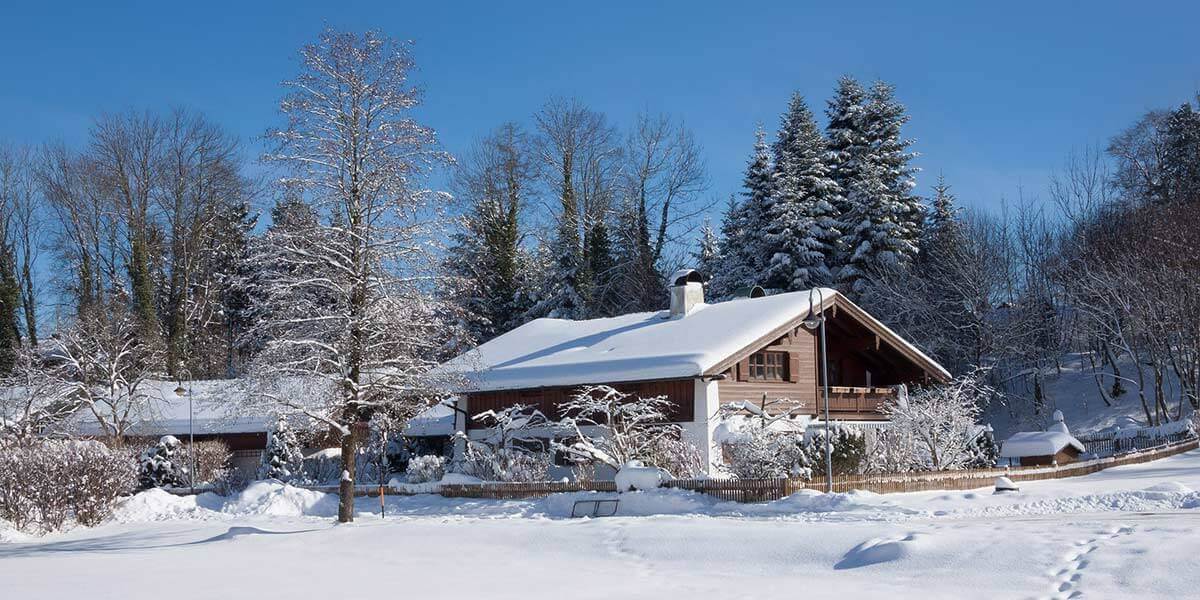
[(282, 460), (934, 428), (762, 453), (848, 450), (677, 456), (620, 428), (504, 464), (425, 468), (322, 467), (97, 476), (42, 485), (514, 447), (212, 461), (636, 476), (161, 464), (984, 451)]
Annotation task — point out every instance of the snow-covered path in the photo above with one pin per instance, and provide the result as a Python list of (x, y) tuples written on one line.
[(1124, 532)]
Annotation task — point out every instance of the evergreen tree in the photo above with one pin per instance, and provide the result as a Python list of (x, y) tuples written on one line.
[(880, 215), (743, 249), (1181, 162), (282, 459), (847, 143), (486, 258), (604, 293), (564, 299), (638, 277), (708, 255), (10, 303), (802, 229)]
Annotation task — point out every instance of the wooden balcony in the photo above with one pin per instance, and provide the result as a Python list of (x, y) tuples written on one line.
[(857, 401)]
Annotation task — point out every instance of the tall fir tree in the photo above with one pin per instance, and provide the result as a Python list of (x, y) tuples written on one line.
[(847, 142), (743, 258), (880, 215), (637, 274), (10, 304), (1181, 164), (707, 256), (803, 229), (486, 259), (564, 299)]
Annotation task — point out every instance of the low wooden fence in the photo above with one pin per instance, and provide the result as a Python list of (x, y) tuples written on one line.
[(765, 490), (1112, 446)]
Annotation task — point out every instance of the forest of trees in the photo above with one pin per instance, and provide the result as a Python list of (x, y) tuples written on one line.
[(150, 250)]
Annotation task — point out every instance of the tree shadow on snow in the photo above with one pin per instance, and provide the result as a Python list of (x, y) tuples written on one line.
[(127, 541)]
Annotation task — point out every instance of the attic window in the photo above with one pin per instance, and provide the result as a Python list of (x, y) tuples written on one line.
[(768, 366)]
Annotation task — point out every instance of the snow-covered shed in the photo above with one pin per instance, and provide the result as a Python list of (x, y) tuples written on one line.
[(1054, 446), (699, 355), (215, 412)]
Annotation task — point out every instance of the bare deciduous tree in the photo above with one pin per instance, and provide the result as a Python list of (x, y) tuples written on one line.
[(350, 294)]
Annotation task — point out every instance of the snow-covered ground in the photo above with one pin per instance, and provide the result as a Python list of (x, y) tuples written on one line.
[(1127, 532), (1073, 391)]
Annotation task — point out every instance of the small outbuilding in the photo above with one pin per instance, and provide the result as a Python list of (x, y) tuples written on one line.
[(1055, 446)]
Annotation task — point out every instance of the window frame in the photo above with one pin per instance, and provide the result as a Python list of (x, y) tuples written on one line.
[(768, 366)]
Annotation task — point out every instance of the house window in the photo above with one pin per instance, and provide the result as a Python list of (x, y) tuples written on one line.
[(768, 366)]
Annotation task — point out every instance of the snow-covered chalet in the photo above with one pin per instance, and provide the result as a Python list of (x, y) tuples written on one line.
[(700, 356)]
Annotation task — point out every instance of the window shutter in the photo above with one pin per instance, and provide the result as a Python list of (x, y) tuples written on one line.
[(793, 367), (743, 369)]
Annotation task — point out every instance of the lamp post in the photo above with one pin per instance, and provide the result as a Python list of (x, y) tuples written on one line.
[(180, 391), (816, 320)]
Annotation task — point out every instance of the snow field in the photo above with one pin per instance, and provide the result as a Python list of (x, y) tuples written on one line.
[(1053, 539)]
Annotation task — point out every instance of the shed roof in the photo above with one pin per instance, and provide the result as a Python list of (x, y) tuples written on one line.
[(1038, 443)]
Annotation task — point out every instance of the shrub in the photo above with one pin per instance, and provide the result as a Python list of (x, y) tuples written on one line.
[(766, 454), (425, 468), (848, 452), (504, 464), (212, 461), (44, 484), (677, 456), (160, 464)]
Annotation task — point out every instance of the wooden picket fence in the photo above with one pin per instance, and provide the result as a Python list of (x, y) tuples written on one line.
[(766, 490)]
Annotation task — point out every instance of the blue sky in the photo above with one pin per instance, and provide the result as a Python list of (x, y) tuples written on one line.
[(999, 93)]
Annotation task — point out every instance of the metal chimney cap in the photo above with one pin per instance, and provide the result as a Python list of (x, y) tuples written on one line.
[(686, 276)]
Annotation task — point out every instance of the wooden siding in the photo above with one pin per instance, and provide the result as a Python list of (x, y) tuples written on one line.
[(681, 393), (800, 387)]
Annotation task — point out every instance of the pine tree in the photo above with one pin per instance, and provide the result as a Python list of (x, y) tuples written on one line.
[(10, 303), (564, 299), (743, 261), (847, 143), (1181, 168), (486, 258), (880, 215), (707, 256), (604, 293), (802, 231), (282, 458), (637, 275)]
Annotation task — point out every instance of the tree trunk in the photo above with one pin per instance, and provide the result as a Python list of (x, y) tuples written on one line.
[(346, 484)]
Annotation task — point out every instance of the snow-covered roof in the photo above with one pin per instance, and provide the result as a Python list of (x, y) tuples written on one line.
[(638, 346), (216, 409), (435, 420), (1038, 443)]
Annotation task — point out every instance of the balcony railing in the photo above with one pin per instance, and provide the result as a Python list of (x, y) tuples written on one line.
[(843, 399)]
